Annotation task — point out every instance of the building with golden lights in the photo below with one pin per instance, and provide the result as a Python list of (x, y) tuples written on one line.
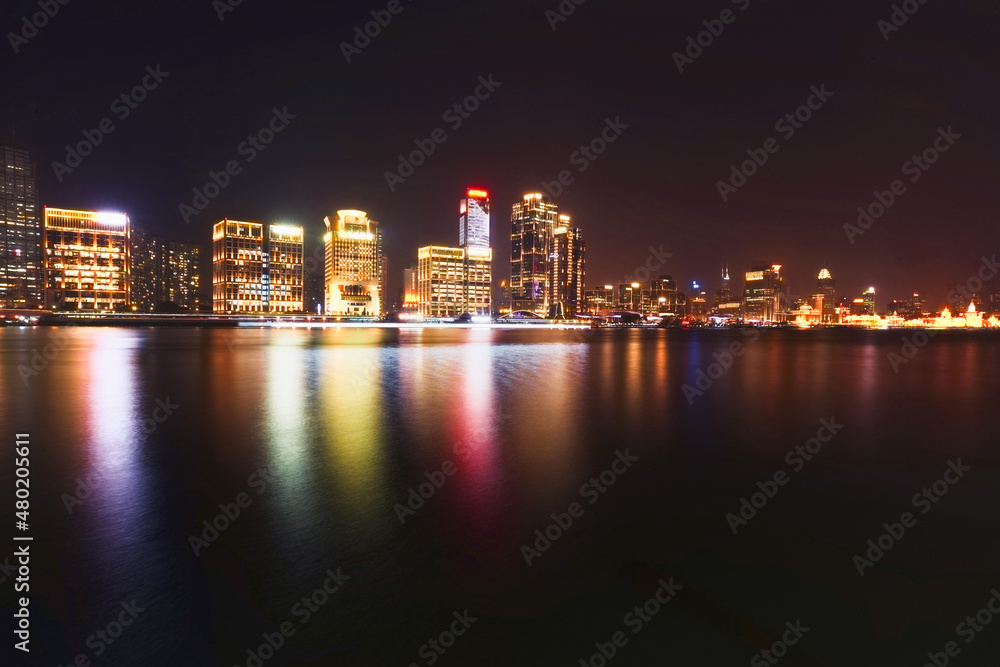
[(566, 269), (763, 294), (453, 281), (533, 223), (164, 272), (254, 272), (86, 261), (354, 267)]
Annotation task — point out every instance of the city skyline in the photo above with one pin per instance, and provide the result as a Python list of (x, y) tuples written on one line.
[(655, 184)]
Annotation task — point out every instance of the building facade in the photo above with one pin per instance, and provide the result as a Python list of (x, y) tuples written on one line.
[(86, 263), (566, 270), (827, 287), (353, 265), (256, 270), (533, 223), (164, 273), (474, 219), (21, 279), (763, 294), (440, 281), (283, 277)]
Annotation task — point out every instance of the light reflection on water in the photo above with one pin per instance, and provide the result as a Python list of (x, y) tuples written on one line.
[(349, 420)]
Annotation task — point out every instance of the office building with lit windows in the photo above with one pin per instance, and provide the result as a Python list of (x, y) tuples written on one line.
[(284, 283), (20, 232), (440, 281), (353, 265), (238, 266), (474, 219), (256, 270), (86, 261), (827, 287), (763, 294), (566, 270), (165, 274), (533, 223)]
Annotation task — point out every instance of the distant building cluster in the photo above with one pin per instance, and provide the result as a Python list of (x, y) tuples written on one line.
[(78, 260)]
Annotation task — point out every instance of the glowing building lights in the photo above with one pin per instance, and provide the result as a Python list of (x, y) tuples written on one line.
[(86, 260), (354, 265)]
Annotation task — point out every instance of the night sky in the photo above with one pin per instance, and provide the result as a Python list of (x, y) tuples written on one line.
[(656, 185)]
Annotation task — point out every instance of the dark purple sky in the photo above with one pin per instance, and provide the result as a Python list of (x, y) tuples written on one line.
[(655, 185)]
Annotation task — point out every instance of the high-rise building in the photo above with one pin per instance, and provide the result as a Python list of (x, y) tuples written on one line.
[(283, 279), (86, 260), (184, 281), (664, 296), (827, 286), (353, 265), (238, 267), (164, 273), (629, 296), (440, 281), (869, 301), (20, 232), (567, 270), (474, 238), (533, 222), (454, 281), (763, 294), (256, 270), (474, 219)]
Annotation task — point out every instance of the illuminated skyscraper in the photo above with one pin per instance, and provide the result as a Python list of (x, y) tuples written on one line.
[(827, 286), (566, 270), (440, 281), (353, 265), (20, 232), (869, 301), (238, 267), (254, 272), (86, 260), (474, 220), (533, 223), (410, 294), (763, 294), (283, 250), (164, 272)]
